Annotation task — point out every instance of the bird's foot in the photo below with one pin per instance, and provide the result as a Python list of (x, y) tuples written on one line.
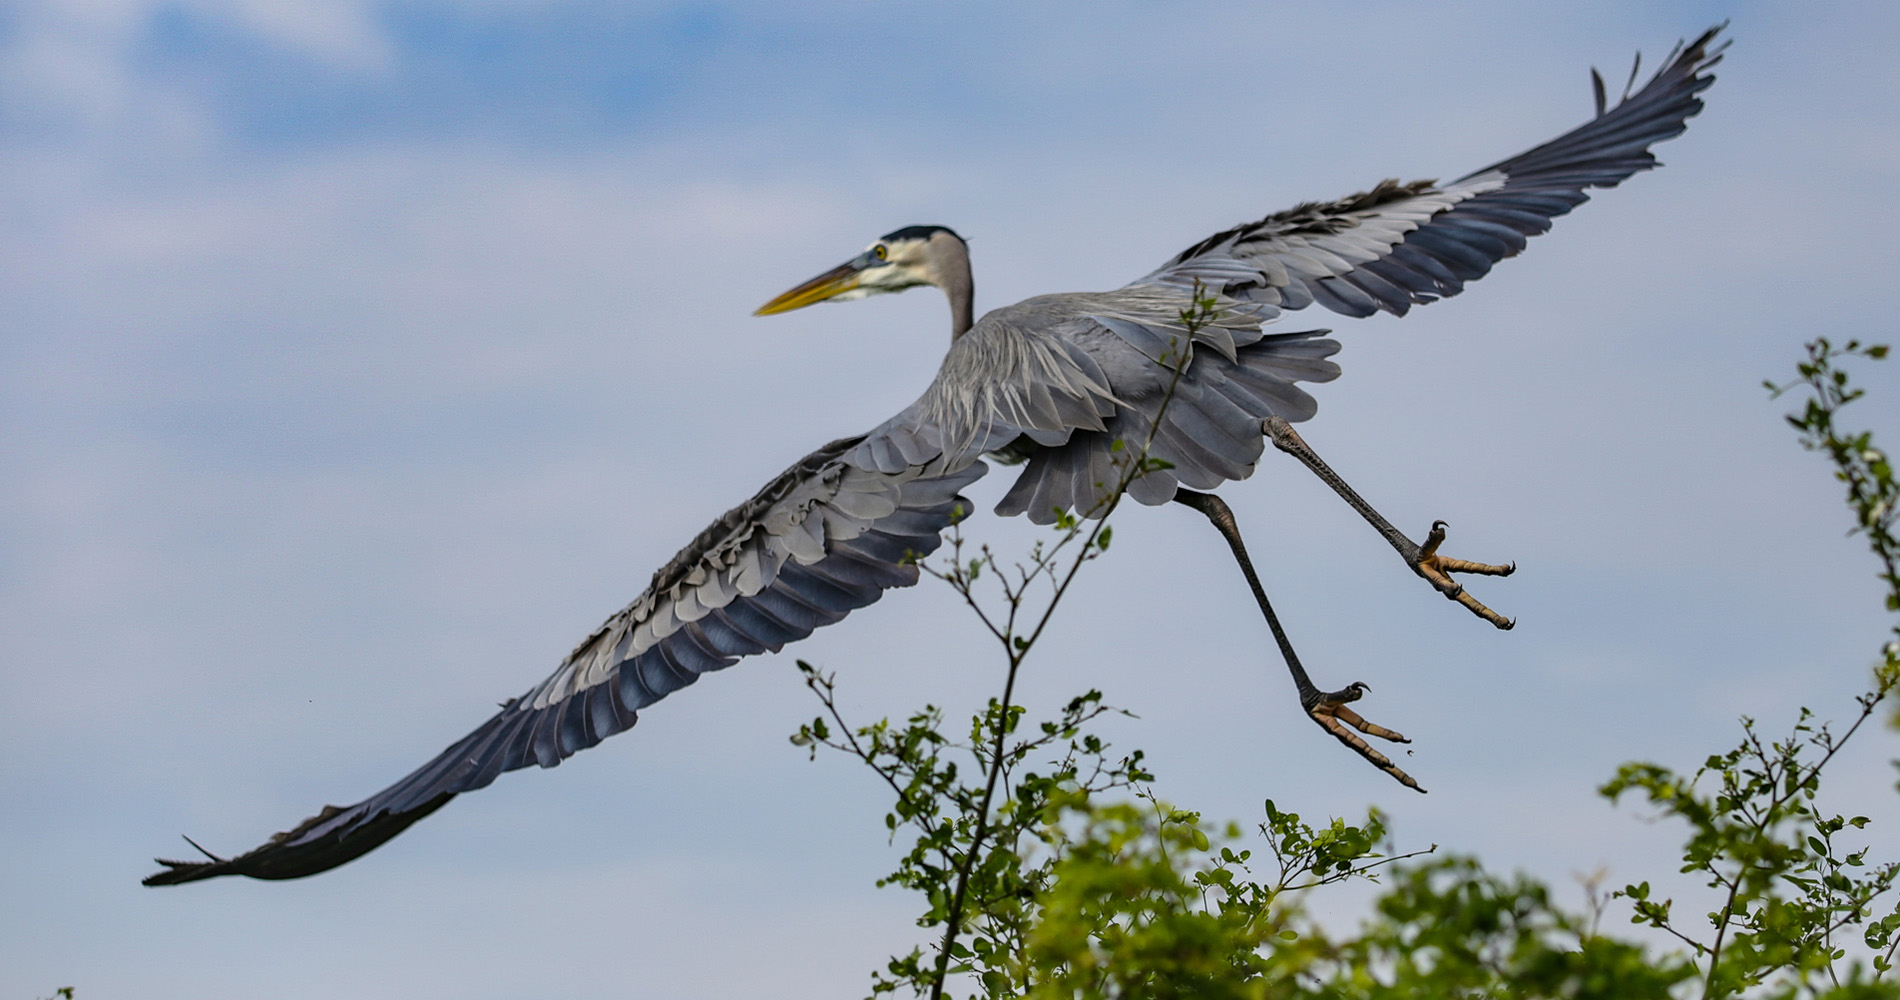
[(1436, 570), (1328, 708)]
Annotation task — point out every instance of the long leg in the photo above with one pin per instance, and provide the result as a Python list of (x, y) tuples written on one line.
[(1424, 559), (1328, 708)]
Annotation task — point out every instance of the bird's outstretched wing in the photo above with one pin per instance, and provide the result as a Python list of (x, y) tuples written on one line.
[(1401, 244), (826, 537), (1388, 248)]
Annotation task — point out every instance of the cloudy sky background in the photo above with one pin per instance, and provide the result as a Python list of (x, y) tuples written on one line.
[(356, 359)]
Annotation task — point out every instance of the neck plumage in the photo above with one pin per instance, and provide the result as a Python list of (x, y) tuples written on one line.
[(962, 307), (953, 276)]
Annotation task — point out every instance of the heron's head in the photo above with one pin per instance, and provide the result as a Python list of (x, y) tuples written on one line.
[(912, 256)]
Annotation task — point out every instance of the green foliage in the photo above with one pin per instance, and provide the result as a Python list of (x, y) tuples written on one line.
[(1786, 889), (980, 868), (1054, 871), (1871, 490), (1125, 915), (1143, 903), (1449, 928)]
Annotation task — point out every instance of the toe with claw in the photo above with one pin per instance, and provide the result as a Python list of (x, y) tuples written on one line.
[(1436, 570), (1330, 711)]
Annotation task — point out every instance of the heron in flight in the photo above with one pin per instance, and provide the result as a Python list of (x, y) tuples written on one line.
[(1054, 382)]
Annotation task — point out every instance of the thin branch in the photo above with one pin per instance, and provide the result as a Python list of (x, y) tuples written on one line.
[(1017, 647)]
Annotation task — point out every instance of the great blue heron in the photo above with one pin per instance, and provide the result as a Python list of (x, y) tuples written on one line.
[(1055, 380)]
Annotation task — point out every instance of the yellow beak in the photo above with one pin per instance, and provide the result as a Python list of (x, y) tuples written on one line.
[(834, 282)]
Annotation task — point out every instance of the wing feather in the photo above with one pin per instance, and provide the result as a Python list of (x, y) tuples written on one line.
[(823, 539), (1421, 241)]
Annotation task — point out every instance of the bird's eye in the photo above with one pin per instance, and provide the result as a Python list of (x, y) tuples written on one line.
[(879, 252)]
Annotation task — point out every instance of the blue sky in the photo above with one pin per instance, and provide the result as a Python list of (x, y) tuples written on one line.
[(357, 359)]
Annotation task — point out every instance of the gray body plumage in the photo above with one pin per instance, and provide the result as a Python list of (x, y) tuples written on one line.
[(1055, 381)]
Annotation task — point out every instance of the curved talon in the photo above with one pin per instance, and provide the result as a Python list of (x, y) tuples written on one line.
[(1314, 700)]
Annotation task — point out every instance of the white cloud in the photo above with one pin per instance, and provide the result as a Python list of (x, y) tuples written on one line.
[(342, 34)]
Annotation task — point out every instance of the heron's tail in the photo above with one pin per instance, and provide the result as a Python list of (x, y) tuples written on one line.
[(1208, 431)]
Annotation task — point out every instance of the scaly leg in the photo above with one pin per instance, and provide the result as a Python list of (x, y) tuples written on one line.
[(1328, 708), (1424, 559)]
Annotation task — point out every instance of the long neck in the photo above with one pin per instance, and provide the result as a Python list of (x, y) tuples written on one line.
[(953, 276)]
